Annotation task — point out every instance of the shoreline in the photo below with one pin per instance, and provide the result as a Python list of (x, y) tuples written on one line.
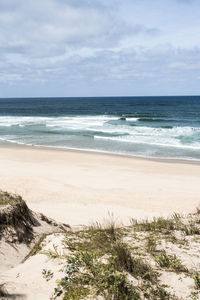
[(99, 152)]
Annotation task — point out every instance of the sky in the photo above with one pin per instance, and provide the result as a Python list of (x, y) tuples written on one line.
[(69, 48)]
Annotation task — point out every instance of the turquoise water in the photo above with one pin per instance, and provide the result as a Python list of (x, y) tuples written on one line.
[(158, 127)]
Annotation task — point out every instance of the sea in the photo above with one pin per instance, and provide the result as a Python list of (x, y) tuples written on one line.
[(149, 127)]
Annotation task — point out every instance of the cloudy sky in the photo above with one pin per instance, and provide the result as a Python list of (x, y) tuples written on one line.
[(99, 47)]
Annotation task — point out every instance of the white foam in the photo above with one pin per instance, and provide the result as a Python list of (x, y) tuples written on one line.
[(164, 142), (132, 119), (156, 136)]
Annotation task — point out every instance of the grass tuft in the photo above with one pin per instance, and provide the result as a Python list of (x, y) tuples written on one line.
[(190, 229), (151, 244), (196, 277), (157, 225)]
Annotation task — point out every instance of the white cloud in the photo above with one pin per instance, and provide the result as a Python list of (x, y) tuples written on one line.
[(58, 42)]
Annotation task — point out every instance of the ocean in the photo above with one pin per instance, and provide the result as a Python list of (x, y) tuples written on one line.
[(151, 127)]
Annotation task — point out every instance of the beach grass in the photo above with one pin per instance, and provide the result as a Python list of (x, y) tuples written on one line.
[(117, 262), (102, 263)]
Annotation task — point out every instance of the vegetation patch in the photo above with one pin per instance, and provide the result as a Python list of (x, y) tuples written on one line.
[(7, 198), (164, 225), (169, 261), (102, 264)]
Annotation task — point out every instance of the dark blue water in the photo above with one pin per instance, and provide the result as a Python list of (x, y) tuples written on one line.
[(164, 127)]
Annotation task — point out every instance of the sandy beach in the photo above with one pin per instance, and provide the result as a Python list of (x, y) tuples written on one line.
[(80, 188)]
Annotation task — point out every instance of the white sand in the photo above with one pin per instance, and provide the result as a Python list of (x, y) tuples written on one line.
[(79, 187), (27, 281)]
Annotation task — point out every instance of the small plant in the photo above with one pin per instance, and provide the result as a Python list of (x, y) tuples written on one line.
[(169, 261), (196, 277), (71, 269), (47, 274), (163, 260)]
